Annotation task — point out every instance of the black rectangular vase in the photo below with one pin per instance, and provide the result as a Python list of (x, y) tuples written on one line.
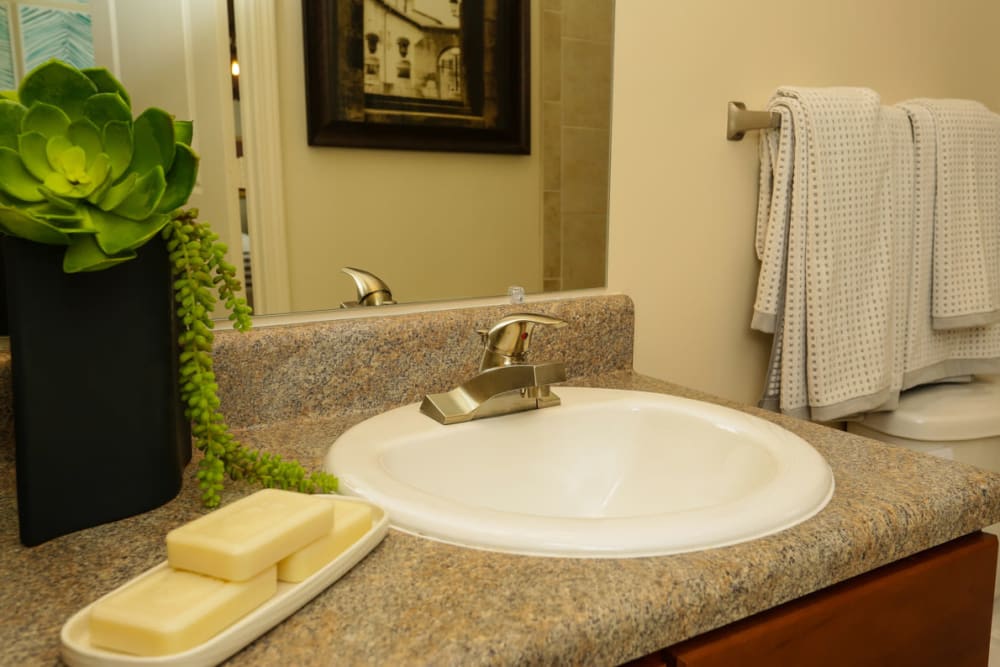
[(99, 428)]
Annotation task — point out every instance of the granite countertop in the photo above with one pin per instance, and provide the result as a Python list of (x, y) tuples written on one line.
[(415, 601)]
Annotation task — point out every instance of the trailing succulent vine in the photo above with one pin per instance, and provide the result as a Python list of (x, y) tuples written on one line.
[(77, 170), (199, 264)]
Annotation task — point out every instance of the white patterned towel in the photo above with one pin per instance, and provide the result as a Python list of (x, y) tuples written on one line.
[(966, 250), (933, 354), (833, 237)]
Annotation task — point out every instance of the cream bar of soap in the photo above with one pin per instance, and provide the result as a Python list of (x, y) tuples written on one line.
[(239, 540), (350, 522), (172, 611)]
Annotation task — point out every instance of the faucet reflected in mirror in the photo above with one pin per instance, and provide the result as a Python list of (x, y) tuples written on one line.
[(506, 383), (372, 290)]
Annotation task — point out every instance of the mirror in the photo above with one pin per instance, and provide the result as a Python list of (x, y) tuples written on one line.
[(432, 225)]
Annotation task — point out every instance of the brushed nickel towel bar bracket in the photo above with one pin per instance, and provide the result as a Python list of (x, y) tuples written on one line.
[(740, 121)]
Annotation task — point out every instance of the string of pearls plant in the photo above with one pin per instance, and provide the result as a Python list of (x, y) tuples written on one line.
[(199, 265), (77, 170)]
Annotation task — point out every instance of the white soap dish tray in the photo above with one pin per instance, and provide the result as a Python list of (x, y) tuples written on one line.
[(77, 650)]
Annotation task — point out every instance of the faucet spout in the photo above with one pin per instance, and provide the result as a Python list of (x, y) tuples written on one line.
[(497, 391)]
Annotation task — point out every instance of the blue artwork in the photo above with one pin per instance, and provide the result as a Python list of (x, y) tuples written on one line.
[(55, 33), (7, 79)]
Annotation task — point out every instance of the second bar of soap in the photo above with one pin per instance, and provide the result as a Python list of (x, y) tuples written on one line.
[(243, 538), (351, 521)]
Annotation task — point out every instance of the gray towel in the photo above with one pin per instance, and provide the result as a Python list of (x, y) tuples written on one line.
[(966, 218), (832, 237), (933, 354)]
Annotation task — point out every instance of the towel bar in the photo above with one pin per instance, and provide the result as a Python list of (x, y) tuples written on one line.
[(741, 121)]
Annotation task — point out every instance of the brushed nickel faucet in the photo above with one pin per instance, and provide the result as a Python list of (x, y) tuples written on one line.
[(372, 290), (505, 383)]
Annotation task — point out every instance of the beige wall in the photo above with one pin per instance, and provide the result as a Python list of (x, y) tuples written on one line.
[(683, 198), (402, 214)]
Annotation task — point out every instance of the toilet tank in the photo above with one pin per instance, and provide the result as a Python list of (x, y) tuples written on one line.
[(959, 421)]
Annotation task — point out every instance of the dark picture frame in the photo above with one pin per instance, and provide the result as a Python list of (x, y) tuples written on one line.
[(412, 81)]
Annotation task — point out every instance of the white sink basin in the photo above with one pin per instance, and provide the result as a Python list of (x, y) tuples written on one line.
[(608, 473)]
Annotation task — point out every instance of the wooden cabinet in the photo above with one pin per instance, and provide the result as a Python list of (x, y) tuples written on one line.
[(933, 609)]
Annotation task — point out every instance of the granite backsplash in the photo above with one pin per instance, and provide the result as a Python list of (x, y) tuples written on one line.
[(277, 373)]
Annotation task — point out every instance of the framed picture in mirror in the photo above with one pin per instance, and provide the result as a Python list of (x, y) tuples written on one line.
[(435, 75)]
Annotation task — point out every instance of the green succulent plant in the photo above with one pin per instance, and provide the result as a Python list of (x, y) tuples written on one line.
[(77, 170)]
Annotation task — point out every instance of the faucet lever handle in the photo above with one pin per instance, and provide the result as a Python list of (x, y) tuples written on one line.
[(507, 341)]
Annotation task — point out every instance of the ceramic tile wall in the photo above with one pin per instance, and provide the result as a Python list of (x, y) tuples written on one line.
[(576, 102)]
